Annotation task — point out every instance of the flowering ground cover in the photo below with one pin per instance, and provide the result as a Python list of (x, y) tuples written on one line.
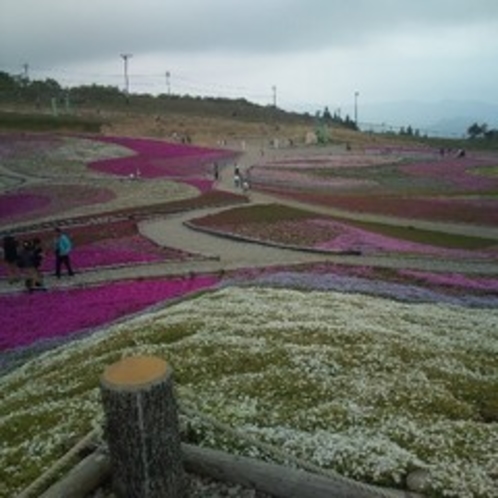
[(30, 318), (100, 245), (14, 205), (372, 372), (463, 173), (47, 155), (156, 159), (406, 183), (371, 387), (285, 225), (42, 200), (473, 210)]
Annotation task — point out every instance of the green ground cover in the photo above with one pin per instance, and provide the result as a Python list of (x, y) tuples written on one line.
[(371, 387)]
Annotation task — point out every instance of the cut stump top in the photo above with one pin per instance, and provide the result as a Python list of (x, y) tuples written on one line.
[(135, 372)]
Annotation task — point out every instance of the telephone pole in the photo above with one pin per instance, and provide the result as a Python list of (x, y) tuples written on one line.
[(168, 83), (125, 58), (356, 94), (274, 89)]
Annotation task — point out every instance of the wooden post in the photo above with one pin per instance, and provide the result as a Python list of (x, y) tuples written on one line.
[(141, 429)]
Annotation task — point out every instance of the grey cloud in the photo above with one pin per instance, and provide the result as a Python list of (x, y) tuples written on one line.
[(63, 31)]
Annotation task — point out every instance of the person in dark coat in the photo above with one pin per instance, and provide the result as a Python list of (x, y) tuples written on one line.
[(10, 255)]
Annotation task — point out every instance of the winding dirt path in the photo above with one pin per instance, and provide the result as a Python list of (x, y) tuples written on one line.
[(218, 254), (232, 253)]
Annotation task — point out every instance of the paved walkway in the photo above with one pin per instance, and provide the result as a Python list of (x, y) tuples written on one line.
[(218, 253)]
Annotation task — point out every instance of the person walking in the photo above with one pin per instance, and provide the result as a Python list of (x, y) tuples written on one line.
[(37, 262), (10, 255), (236, 177), (26, 264), (63, 248)]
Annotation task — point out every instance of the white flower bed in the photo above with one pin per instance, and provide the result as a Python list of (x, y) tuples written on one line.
[(368, 386)]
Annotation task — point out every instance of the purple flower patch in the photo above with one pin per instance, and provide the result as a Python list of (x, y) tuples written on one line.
[(459, 172), (156, 158), (14, 205), (44, 200), (107, 245), (29, 318)]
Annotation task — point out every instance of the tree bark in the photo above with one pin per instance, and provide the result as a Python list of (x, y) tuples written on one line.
[(141, 429)]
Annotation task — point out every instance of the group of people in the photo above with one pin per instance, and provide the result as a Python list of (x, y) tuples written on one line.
[(240, 181), (23, 259)]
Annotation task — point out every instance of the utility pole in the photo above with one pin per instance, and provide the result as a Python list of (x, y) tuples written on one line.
[(274, 89), (125, 58), (356, 94), (168, 83)]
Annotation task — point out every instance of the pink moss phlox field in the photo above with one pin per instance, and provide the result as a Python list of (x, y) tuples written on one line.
[(457, 171), (110, 252), (329, 162), (44, 200), (156, 158), (28, 318), (99, 246), (352, 238), (470, 210), (487, 284), (304, 178), (336, 236), (18, 204), (314, 172), (26, 144)]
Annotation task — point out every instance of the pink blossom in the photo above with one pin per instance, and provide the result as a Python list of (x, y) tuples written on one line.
[(462, 173), (155, 158), (13, 205), (28, 318), (454, 280), (43, 200)]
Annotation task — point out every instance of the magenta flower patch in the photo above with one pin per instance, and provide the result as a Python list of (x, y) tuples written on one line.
[(486, 284), (15, 205), (44, 200), (377, 182), (459, 172), (107, 245), (29, 318), (156, 158), (112, 252)]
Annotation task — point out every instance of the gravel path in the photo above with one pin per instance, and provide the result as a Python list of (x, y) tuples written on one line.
[(232, 253), (220, 253)]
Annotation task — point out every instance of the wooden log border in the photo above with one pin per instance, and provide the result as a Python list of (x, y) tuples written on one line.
[(276, 480)]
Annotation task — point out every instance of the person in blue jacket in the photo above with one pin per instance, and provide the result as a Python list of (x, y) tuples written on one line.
[(63, 248)]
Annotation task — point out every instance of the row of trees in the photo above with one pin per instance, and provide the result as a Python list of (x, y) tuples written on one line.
[(47, 93), (328, 118), (477, 130), (18, 89)]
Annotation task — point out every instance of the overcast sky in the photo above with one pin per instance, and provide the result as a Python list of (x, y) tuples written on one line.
[(314, 52)]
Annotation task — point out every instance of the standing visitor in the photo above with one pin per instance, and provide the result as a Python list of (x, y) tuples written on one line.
[(63, 248), (37, 261), (236, 176), (10, 255)]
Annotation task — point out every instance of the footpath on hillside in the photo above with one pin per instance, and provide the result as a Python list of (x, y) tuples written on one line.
[(218, 253)]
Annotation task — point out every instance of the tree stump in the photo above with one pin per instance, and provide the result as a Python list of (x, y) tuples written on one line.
[(141, 429)]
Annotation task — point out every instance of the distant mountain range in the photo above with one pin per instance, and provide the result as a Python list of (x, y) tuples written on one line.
[(448, 118)]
